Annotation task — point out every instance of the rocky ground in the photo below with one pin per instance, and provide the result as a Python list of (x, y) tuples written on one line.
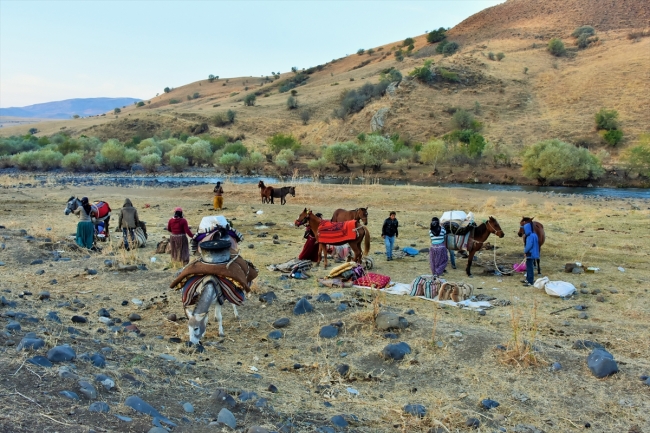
[(96, 341)]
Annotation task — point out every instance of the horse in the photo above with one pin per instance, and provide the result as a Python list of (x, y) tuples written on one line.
[(363, 236), (357, 214), (477, 238), (99, 214), (265, 192), (538, 229), (282, 193)]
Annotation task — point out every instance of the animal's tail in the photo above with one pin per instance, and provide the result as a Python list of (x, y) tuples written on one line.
[(366, 242)]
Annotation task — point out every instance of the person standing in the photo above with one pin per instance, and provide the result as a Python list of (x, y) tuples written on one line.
[(218, 197), (389, 231), (85, 228), (128, 222), (531, 251), (180, 248), (438, 249)]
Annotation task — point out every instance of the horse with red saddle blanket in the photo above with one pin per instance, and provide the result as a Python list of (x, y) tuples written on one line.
[(100, 215), (336, 233)]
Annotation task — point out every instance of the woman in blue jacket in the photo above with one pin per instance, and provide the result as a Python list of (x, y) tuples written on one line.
[(531, 251)]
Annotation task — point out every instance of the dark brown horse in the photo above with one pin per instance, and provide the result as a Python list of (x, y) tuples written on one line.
[(357, 214), (281, 193), (477, 238), (363, 235), (265, 191), (538, 229)]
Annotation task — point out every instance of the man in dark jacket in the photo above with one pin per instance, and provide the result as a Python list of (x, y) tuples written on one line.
[(389, 232), (128, 222), (531, 251)]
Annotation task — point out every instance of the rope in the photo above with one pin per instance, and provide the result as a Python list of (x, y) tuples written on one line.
[(496, 267)]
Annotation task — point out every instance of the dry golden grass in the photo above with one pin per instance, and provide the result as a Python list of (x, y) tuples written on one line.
[(451, 373)]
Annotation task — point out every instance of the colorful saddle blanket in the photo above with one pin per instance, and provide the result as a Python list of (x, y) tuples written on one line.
[(102, 209), (335, 233), (427, 286), (194, 285)]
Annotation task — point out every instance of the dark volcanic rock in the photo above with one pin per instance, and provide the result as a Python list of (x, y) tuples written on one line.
[(30, 343), (323, 297), (586, 344), (328, 331), (40, 360), (275, 335), (79, 319), (396, 351), (282, 323), (61, 354), (302, 306), (416, 410), (601, 363), (98, 360), (489, 404), (99, 406)]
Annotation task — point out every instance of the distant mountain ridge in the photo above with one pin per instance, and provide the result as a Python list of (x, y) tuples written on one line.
[(68, 108)]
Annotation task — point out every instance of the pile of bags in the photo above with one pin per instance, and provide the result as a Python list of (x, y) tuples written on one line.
[(457, 222)]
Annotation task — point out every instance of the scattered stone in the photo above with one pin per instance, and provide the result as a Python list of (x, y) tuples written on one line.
[(87, 389), (386, 321), (139, 405), (473, 422), (187, 407), (13, 326), (302, 306), (125, 303), (91, 272), (415, 410), (613, 291), (583, 284), (342, 307), (157, 430), (53, 282), (601, 363), (251, 246), (584, 291), (4, 302), (44, 296), (396, 351), (556, 366), (40, 360), (323, 297), (37, 262), (39, 272), (600, 299), (61, 354), (281, 323), (247, 395), (489, 404), (343, 369), (222, 397), (98, 360), (106, 381), (391, 336), (583, 316), (175, 340), (103, 312), (167, 357), (69, 394), (172, 317), (257, 429), (127, 419), (226, 417), (328, 331), (65, 373), (410, 312), (339, 421), (137, 302), (275, 335), (79, 319), (99, 406), (268, 297), (53, 317), (273, 389), (133, 317)]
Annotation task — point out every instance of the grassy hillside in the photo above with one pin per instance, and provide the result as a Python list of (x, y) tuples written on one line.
[(528, 96)]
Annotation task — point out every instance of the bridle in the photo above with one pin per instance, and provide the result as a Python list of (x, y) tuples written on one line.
[(304, 220), (494, 231)]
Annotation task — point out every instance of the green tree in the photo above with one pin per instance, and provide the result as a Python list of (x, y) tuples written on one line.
[(317, 166), (612, 137), (211, 78), (178, 163), (72, 161), (229, 161), (305, 115), (360, 51), (555, 160), (117, 110), (202, 152), (292, 103), (281, 141), (463, 119), (167, 90), (408, 41), (151, 162), (230, 115), (32, 131), (254, 161), (606, 119), (433, 153), (423, 73), (436, 35), (375, 152), (637, 158), (556, 47), (583, 30), (249, 100), (341, 154), (140, 104), (500, 56), (236, 147)]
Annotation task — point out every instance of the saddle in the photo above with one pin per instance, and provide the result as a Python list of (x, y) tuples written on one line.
[(240, 271), (456, 292), (102, 209)]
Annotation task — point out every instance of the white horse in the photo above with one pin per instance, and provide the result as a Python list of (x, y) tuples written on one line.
[(197, 314)]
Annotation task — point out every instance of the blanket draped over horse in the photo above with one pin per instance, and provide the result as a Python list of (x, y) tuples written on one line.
[(333, 233), (238, 271)]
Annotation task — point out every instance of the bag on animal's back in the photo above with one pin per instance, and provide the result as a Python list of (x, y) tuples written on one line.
[(103, 209), (456, 292)]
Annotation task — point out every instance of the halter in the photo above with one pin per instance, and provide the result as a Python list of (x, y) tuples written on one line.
[(304, 220), (488, 224)]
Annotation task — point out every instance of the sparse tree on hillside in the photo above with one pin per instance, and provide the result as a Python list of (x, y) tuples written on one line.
[(436, 35), (305, 115), (500, 56), (292, 103), (167, 90), (556, 47), (32, 131), (408, 41), (211, 78), (360, 51), (249, 100)]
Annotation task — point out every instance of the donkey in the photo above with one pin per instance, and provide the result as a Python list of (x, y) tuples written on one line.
[(197, 314)]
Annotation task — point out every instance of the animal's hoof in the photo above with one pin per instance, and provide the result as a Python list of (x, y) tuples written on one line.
[(221, 334)]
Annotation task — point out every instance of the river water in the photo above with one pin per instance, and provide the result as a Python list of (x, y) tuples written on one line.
[(620, 193)]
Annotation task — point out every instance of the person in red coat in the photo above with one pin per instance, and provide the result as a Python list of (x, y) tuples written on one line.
[(180, 230)]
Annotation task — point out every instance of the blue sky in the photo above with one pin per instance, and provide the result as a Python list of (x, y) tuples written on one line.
[(52, 50)]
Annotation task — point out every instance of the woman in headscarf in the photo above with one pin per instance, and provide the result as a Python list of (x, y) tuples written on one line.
[(438, 249), (180, 248), (85, 228), (218, 196)]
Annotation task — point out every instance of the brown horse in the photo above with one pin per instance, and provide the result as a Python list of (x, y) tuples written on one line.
[(538, 229), (265, 191), (357, 214), (363, 235), (477, 238)]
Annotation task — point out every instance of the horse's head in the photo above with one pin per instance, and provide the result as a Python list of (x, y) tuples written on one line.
[(196, 324), (303, 218), (522, 223), (292, 191), (71, 206), (362, 214), (494, 227), (261, 184)]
